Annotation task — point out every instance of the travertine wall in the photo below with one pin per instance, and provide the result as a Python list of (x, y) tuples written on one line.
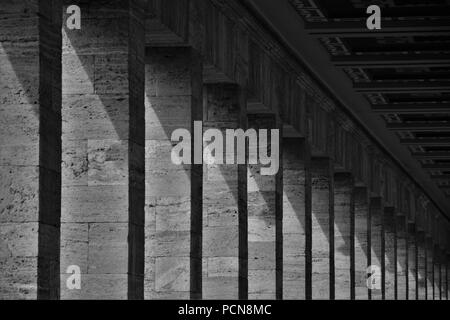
[(413, 263), (102, 228), (263, 211), (222, 209), (361, 244), (296, 219), (421, 268), (376, 245), (322, 229), (173, 194), (401, 258), (30, 149), (390, 254), (140, 226), (344, 219)]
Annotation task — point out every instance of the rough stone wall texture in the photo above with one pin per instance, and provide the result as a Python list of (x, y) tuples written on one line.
[(221, 211), (437, 274), (447, 275), (322, 228), (344, 211), (430, 269), (361, 248), (300, 238), (413, 263), (444, 284), (443, 267), (103, 151), (30, 149), (402, 258), (421, 268), (166, 22), (262, 215), (376, 243), (390, 257), (296, 208), (173, 93)]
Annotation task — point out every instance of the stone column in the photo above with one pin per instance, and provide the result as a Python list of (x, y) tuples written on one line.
[(437, 273), (402, 257), (421, 267), (263, 212), (344, 219), (444, 284), (376, 246), (390, 259), (103, 151), (30, 149), (173, 194), (413, 260), (430, 267), (447, 274), (361, 251), (296, 209), (223, 212), (322, 229)]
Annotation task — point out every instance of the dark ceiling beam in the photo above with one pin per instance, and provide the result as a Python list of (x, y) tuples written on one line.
[(411, 76), (410, 86), (401, 47), (412, 108), (419, 126), (437, 166), (440, 177), (445, 187), (358, 29), (392, 61), (431, 155), (426, 142), (393, 12)]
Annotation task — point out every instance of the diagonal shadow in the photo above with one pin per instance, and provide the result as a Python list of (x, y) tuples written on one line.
[(29, 138), (101, 117)]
